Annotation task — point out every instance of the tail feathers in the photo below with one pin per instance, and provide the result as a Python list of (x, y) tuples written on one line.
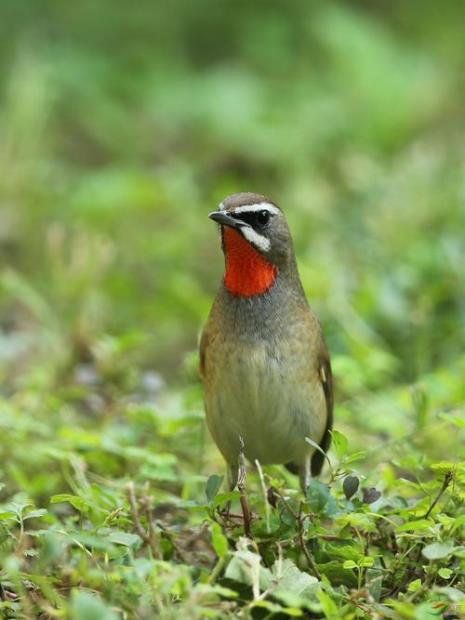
[(293, 468), (317, 463)]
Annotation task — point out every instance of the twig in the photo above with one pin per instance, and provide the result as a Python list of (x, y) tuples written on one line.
[(406, 579), (232, 515), (310, 560), (300, 520), (152, 534), (417, 547), (135, 511), (424, 588), (181, 555), (446, 482), (150, 538), (286, 505)]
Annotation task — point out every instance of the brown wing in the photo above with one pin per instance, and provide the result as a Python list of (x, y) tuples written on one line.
[(326, 377), (208, 335), (202, 351)]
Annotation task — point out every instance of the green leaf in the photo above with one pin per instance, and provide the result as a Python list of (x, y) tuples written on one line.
[(222, 498), (90, 541), (345, 551), (453, 594), (445, 467), (127, 539), (329, 607), (437, 550), (367, 561), (293, 586), (349, 565), (356, 456), (445, 573), (219, 540), (415, 526), (75, 500), (374, 580), (85, 606), (245, 567), (276, 609), (217, 589), (340, 443), (359, 520), (35, 514), (213, 485), (415, 585), (458, 419), (320, 499)]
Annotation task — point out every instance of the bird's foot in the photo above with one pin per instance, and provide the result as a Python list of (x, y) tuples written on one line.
[(242, 491)]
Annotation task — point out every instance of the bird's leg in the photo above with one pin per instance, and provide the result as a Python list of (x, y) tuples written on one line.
[(232, 476), (241, 486), (305, 475)]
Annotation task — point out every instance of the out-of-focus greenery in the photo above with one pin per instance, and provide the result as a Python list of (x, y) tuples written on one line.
[(121, 127)]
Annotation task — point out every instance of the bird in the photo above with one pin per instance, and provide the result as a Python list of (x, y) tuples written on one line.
[(264, 363)]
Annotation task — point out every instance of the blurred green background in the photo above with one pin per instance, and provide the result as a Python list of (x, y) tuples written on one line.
[(122, 127)]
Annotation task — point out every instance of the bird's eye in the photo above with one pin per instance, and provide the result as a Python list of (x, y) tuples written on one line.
[(263, 217)]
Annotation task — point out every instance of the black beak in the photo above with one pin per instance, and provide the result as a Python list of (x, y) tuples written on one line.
[(220, 217)]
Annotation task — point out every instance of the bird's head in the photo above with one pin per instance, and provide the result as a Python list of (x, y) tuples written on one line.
[(256, 242)]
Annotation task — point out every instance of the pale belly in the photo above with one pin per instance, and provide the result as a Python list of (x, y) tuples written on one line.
[(268, 401)]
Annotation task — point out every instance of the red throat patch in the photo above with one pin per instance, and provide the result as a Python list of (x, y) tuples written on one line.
[(247, 272)]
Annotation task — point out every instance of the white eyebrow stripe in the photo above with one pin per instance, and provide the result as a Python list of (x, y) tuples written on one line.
[(259, 241), (260, 206)]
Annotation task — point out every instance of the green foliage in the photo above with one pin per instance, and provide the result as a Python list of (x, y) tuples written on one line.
[(121, 129)]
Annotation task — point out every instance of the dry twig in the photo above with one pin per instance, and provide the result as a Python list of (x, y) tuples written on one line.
[(150, 537)]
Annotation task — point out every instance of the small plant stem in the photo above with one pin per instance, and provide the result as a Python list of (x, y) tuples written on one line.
[(446, 482), (300, 519), (218, 569), (150, 538), (303, 545), (152, 534), (265, 498), (180, 553)]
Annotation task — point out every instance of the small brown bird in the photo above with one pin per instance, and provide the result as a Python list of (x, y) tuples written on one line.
[(263, 359)]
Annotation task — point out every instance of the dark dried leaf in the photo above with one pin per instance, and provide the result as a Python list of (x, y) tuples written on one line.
[(272, 497), (370, 495), (350, 486)]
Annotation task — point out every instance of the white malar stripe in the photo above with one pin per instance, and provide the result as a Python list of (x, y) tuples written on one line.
[(260, 206), (259, 241)]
